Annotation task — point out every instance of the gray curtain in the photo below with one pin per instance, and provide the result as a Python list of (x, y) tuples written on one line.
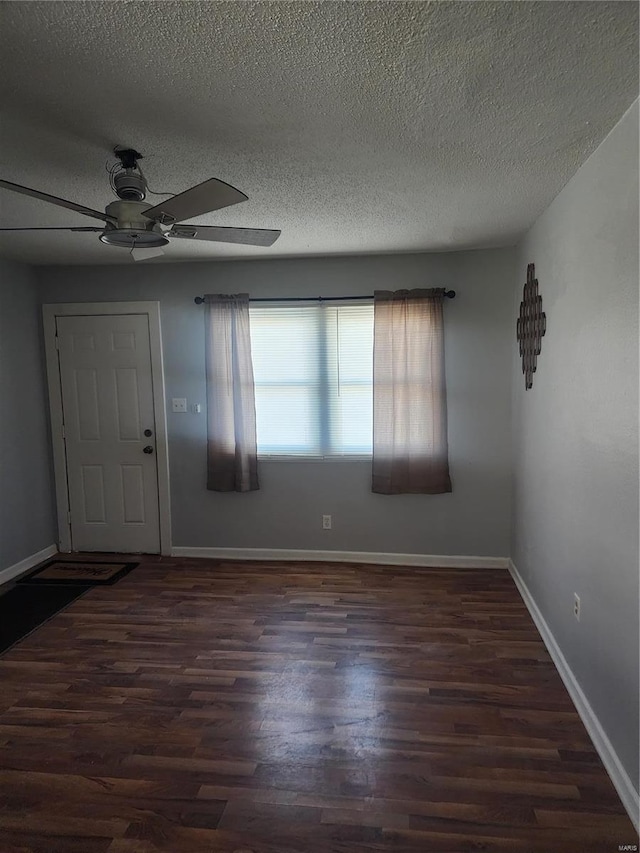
[(410, 453), (232, 464)]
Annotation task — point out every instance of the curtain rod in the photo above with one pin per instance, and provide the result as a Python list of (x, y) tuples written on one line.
[(450, 294)]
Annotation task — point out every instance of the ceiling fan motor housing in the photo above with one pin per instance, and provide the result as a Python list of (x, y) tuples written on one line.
[(130, 185), (133, 229)]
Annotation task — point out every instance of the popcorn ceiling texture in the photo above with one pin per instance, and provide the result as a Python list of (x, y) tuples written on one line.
[(352, 126)]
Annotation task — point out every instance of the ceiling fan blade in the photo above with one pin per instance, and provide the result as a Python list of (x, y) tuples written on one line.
[(203, 198), (55, 228), (217, 234), (144, 254), (61, 202)]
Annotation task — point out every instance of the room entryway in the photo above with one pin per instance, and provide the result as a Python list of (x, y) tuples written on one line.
[(108, 431)]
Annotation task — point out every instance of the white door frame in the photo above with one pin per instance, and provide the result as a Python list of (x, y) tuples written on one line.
[(67, 309)]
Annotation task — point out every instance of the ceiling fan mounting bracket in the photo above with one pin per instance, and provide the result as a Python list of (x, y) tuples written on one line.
[(128, 157), (128, 182), (165, 219)]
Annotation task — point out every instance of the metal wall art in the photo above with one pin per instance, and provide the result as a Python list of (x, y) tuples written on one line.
[(531, 326)]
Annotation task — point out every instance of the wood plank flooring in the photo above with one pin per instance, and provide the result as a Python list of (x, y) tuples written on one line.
[(296, 708)]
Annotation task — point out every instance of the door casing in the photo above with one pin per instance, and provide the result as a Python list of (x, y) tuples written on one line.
[(66, 309)]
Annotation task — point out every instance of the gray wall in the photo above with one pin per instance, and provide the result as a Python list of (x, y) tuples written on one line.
[(287, 511), (575, 523), (27, 518)]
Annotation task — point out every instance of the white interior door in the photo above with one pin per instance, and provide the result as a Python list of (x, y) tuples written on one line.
[(109, 432)]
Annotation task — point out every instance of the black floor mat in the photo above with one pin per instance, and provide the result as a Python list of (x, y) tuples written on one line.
[(23, 608)]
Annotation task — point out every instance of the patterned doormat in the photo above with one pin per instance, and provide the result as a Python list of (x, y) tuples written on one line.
[(84, 573)]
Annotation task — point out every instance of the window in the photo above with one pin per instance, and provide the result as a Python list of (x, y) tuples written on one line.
[(313, 373)]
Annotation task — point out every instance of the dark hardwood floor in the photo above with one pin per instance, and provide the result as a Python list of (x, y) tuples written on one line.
[(273, 708)]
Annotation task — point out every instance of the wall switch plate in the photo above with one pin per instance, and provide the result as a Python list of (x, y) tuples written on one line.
[(576, 606), (179, 404), (326, 522)]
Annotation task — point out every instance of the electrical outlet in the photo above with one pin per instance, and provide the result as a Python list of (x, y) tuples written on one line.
[(178, 404), (576, 606), (326, 522)]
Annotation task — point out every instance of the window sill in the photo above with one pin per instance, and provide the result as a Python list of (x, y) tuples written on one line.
[(346, 458)]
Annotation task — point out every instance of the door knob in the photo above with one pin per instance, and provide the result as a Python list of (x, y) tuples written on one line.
[(147, 449)]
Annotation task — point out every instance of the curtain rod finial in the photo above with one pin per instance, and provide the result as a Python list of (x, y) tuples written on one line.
[(199, 300)]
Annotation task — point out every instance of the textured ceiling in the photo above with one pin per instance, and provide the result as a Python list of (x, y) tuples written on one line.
[(352, 126)]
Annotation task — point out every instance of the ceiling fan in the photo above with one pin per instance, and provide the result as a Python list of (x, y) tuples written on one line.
[(143, 228)]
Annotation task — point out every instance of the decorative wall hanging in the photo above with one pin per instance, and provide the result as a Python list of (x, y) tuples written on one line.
[(531, 326)]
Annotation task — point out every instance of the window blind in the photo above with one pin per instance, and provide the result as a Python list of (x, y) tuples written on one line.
[(313, 374)]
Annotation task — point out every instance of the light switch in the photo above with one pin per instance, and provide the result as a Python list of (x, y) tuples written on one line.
[(179, 404)]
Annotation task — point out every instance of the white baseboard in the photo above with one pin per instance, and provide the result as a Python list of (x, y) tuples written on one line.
[(608, 755), (433, 561), (28, 563)]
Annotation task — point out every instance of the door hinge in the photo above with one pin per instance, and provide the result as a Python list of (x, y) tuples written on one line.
[(63, 432), (69, 519), (57, 340)]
